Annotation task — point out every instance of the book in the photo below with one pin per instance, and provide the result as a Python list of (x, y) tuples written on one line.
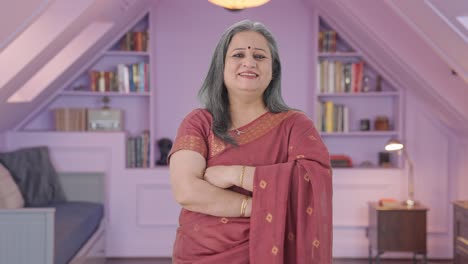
[(341, 161), (70, 119), (389, 202)]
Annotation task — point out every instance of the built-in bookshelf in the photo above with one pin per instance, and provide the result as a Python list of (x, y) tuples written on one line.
[(357, 109), (117, 82)]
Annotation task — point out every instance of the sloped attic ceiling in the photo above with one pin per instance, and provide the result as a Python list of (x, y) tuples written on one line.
[(430, 18), (28, 46), (403, 54), (17, 17)]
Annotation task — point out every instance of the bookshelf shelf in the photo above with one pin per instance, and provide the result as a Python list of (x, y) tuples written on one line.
[(339, 54), (360, 94), (350, 95), (126, 53), (357, 168), (98, 94), (360, 134), (119, 78)]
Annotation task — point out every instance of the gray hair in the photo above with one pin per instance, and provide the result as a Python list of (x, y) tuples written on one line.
[(213, 93)]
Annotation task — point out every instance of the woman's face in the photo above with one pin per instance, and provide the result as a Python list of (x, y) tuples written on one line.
[(248, 64)]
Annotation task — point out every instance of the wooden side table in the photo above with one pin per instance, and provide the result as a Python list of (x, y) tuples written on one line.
[(400, 228)]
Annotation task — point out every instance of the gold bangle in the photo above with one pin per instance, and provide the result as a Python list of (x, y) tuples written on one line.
[(244, 206), (241, 177)]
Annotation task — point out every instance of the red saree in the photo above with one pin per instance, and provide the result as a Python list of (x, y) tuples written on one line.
[(291, 220)]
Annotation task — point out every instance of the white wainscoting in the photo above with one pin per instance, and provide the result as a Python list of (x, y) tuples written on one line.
[(156, 206), (353, 189)]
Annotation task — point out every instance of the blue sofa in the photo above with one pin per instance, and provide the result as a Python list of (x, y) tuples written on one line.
[(52, 228)]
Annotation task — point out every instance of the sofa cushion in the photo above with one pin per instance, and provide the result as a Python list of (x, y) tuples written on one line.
[(75, 223), (35, 175), (10, 195)]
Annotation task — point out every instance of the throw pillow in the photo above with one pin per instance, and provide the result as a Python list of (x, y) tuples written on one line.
[(37, 179), (10, 196)]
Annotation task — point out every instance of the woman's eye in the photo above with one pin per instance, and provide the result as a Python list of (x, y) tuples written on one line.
[(259, 57), (238, 55)]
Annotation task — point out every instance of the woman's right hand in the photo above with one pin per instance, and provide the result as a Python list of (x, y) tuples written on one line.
[(222, 176)]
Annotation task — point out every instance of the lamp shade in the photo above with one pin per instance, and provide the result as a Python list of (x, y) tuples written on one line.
[(393, 145), (238, 4)]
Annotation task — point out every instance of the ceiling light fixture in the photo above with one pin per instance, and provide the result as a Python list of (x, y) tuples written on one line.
[(238, 4)]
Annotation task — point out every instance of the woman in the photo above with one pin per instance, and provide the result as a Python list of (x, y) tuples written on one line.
[(252, 175)]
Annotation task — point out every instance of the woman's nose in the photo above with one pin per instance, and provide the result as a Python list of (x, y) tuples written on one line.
[(249, 62)]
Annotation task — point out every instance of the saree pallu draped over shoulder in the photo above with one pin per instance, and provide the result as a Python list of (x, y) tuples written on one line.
[(291, 220)]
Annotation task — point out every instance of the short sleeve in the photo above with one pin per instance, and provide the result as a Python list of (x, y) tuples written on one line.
[(193, 133)]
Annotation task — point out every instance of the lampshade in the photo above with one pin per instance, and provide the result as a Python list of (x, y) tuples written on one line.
[(393, 145), (238, 4)]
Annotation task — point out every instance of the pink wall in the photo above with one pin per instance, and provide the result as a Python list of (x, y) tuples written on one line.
[(461, 171), (186, 33)]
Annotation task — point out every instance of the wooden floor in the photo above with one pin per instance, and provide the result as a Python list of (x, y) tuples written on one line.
[(336, 261)]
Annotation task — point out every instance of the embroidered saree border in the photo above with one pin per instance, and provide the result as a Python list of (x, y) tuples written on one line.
[(250, 133), (190, 142)]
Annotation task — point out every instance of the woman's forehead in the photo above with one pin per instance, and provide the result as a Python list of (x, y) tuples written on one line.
[(248, 39)]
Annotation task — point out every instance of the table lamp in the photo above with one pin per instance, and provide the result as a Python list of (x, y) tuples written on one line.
[(396, 145)]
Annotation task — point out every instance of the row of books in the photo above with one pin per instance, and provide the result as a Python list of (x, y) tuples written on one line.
[(340, 77), (332, 117), (134, 41), (70, 119), (126, 79), (138, 150), (327, 41)]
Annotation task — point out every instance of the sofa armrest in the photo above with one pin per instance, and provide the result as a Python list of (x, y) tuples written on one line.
[(27, 235)]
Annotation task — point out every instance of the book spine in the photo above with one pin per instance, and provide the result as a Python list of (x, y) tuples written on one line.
[(329, 116), (130, 78), (129, 152), (102, 82), (141, 77), (147, 84)]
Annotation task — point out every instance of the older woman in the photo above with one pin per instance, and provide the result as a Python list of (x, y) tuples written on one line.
[(252, 175)]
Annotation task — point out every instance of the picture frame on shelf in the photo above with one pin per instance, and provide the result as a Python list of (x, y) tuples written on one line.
[(105, 120)]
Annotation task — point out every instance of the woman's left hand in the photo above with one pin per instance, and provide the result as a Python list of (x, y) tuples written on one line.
[(222, 176)]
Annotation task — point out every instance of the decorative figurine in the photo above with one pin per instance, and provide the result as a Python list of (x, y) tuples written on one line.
[(364, 124), (381, 123), (165, 146)]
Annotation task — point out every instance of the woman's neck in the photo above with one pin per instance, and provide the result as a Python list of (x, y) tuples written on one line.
[(244, 113)]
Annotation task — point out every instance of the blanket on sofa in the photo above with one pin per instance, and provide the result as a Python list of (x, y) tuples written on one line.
[(35, 175)]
